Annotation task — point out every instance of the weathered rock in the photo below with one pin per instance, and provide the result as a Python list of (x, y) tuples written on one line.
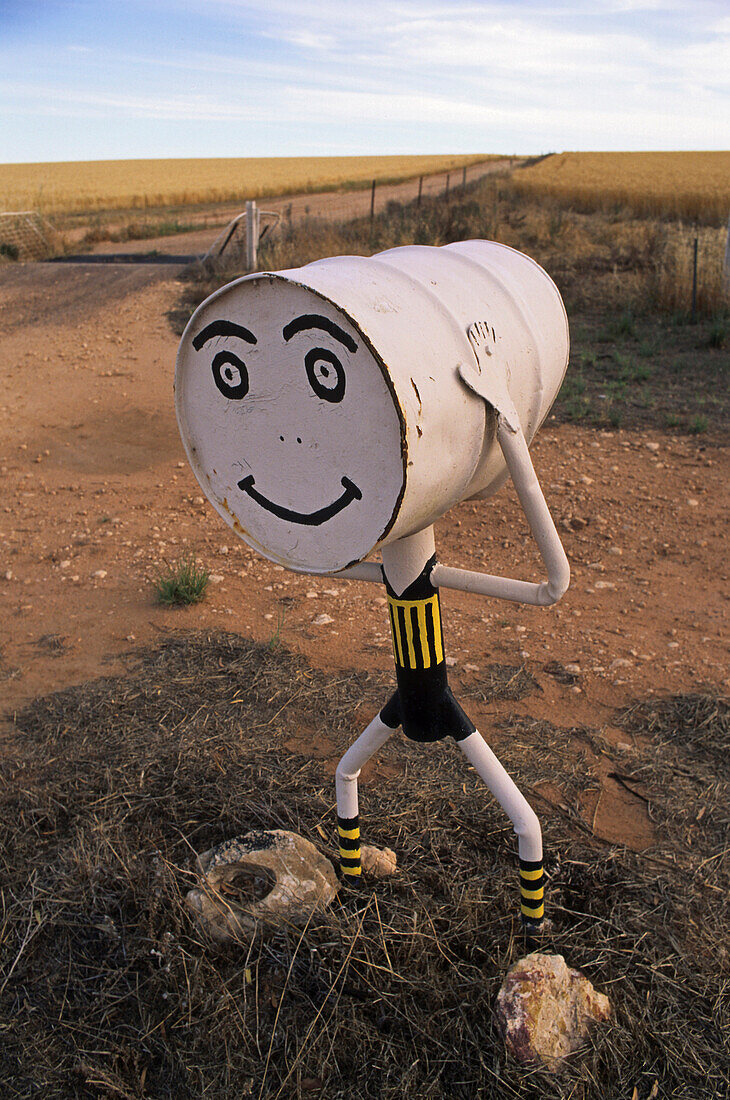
[(544, 1009), (273, 877), (378, 862)]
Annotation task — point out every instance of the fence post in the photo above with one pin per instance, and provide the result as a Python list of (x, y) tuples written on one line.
[(252, 235), (693, 317), (448, 177), (463, 180), (726, 263), (420, 189), (372, 203)]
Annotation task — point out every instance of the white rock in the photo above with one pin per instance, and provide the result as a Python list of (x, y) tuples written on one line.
[(274, 877), (99, 574), (216, 578), (378, 862), (322, 620), (545, 1010)]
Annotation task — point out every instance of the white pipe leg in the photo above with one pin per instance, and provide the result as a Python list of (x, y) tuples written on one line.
[(346, 775), (505, 790), (522, 816)]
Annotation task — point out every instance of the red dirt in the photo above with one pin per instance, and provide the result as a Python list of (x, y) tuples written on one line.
[(97, 494)]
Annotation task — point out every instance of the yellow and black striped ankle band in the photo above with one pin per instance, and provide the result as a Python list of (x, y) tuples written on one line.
[(532, 890), (348, 829)]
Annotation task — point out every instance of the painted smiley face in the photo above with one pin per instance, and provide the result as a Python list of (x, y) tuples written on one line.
[(290, 424)]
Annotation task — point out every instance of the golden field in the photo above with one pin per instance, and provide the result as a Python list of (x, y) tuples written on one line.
[(693, 186), (71, 187)]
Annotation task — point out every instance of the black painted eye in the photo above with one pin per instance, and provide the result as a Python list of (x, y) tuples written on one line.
[(230, 375), (325, 373)]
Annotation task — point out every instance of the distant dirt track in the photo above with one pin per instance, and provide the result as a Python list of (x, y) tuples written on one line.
[(334, 205), (48, 292)]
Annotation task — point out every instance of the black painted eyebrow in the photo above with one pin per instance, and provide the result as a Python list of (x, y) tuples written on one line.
[(222, 328), (313, 320)]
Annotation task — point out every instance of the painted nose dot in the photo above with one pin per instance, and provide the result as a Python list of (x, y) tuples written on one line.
[(298, 440), (281, 437)]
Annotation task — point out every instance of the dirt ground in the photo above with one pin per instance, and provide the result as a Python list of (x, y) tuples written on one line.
[(97, 496)]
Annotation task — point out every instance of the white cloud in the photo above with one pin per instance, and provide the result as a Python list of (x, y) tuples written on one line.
[(610, 74)]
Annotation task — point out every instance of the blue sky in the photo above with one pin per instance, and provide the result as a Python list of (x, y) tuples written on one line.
[(102, 79)]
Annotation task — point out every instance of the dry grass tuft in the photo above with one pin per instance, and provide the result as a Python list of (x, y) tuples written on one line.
[(107, 989), (599, 260)]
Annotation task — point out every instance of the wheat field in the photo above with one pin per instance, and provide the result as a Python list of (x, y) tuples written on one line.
[(693, 186), (72, 187)]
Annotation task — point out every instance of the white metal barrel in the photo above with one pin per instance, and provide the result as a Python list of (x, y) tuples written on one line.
[(321, 408)]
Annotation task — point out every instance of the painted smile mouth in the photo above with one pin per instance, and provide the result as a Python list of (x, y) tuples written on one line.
[(311, 519)]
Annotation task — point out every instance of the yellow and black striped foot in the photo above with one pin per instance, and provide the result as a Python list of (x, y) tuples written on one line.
[(532, 893), (349, 834)]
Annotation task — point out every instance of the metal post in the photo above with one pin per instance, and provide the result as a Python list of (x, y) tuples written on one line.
[(463, 180), (252, 235), (420, 191), (694, 286), (448, 177), (372, 203)]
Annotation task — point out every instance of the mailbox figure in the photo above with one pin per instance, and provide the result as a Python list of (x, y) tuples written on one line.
[(337, 410)]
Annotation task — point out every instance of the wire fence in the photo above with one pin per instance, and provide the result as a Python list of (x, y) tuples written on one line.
[(26, 235)]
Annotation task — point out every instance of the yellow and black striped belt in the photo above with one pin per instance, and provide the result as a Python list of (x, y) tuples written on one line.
[(417, 636)]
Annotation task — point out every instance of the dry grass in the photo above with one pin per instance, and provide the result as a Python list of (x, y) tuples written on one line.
[(88, 186), (108, 990), (597, 260), (636, 360), (693, 186)]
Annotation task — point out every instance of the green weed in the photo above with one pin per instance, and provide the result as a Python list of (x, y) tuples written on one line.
[(625, 325), (718, 334), (181, 582), (630, 371), (275, 639)]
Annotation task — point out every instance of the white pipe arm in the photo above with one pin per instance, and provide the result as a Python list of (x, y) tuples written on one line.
[(491, 386), (362, 571)]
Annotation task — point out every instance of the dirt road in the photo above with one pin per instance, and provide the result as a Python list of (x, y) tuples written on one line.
[(97, 495), (331, 205)]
